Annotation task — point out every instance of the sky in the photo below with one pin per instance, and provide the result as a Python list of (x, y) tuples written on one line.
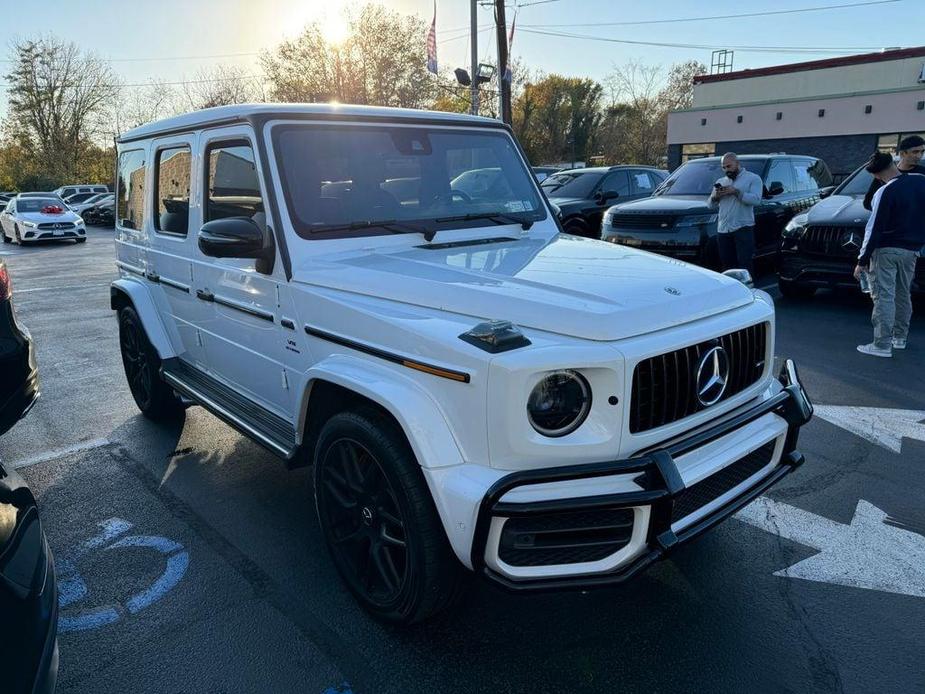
[(172, 40)]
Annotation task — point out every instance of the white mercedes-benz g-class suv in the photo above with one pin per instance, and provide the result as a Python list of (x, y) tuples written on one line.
[(384, 294)]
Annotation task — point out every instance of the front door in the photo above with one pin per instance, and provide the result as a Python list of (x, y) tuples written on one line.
[(243, 337), (774, 211)]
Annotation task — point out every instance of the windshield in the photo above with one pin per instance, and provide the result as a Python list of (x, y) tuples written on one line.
[(698, 177), (572, 184), (359, 180), (36, 204), (856, 184)]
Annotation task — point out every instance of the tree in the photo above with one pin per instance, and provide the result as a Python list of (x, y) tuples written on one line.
[(678, 93), (381, 63), (220, 86), (57, 101)]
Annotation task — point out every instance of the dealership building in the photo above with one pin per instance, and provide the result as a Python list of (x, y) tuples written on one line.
[(840, 109)]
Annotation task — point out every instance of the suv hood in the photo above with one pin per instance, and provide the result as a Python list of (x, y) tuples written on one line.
[(568, 285), (683, 204), (838, 209)]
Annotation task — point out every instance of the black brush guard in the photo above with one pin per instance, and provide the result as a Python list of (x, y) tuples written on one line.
[(662, 485)]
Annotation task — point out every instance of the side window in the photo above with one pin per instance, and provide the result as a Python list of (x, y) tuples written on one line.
[(819, 172), (803, 179), (130, 195), (642, 183), (232, 185), (171, 193), (618, 181), (656, 179), (780, 172)]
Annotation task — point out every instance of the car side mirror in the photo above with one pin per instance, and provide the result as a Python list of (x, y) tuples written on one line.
[(233, 237), (776, 188), (826, 192), (605, 195)]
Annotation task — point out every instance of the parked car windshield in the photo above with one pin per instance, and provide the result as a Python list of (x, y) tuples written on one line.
[(572, 184), (698, 177), (36, 204), (341, 180), (856, 184)]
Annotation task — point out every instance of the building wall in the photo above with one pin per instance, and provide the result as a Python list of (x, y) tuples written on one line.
[(846, 79), (843, 153), (890, 112)]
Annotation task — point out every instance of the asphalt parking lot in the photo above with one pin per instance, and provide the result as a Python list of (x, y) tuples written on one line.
[(192, 562)]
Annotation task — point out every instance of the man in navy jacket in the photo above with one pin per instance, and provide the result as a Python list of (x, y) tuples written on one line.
[(894, 235)]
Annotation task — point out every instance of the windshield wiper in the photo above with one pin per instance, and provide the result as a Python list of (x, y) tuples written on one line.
[(393, 226), (662, 187), (497, 217)]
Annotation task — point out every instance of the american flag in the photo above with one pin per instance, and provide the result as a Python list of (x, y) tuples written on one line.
[(510, 42), (432, 43)]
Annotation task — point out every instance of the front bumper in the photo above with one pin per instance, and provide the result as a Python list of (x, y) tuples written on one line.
[(833, 273), (661, 487)]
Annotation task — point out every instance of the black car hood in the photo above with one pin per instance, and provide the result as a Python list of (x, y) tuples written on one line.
[(569, 204), (675, 204), (843, 210)]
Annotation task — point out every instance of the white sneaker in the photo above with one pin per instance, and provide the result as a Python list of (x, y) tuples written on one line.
[(875, 351), (898, 343)]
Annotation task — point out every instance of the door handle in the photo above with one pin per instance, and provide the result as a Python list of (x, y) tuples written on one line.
[(205, 295)]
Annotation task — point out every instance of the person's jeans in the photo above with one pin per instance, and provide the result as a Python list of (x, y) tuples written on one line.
[(891, 273), (737, 248)]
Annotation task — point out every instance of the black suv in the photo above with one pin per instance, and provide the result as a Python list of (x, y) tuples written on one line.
[(583, 194), (19, 384), (677, 221), (820, 248)]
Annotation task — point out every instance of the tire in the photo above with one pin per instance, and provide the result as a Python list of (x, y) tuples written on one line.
[(16, 237), (576, 227), (795, 290), (6, 239), (379, 520), (82, 239), (154, 398)]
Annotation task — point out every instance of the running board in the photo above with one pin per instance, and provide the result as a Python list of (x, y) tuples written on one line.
[(269, 430)]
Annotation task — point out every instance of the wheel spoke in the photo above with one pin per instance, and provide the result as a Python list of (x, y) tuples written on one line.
[(386, 568), (343, 501), (351, 467), (388, 539), (353, 536)]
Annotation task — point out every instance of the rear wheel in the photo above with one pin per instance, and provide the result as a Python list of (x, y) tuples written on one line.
[(154, 398), (379, 520), (795, 290), (576, 227)]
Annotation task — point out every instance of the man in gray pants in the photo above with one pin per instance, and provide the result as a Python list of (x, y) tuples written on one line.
[(895, 232), (735, 195)]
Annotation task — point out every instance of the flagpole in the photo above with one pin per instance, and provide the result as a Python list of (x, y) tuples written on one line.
[(474, 44)]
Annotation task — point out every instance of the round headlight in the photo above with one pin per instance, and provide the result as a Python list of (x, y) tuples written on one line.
[(559, 403)]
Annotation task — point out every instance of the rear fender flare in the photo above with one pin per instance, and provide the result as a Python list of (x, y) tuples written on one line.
[(136, 294)]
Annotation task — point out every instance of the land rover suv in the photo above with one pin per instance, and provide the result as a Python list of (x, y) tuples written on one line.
[(676, 220), (474, 390)]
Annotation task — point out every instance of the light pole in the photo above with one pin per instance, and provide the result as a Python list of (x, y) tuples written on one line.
[(474, 44)]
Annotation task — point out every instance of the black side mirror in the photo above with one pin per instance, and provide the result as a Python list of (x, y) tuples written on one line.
[(776, 188), (232, 237), (826, 192), (605, 195)]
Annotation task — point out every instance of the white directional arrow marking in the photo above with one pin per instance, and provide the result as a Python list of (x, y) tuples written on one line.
[(884, 426), (865, 554)]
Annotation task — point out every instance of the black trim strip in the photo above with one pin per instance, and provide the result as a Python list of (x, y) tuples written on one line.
[(153, 277), (243, 308), (287, 323), (134, 269), (205, 295), (174, 284), (451, 374)]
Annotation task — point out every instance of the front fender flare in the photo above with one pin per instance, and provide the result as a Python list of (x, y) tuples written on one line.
[(139, 296), (416, 411)]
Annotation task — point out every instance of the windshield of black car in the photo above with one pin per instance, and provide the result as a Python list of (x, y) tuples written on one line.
[(856, 184), (571, 184), (340, 180), (698, 177), (36, 204)]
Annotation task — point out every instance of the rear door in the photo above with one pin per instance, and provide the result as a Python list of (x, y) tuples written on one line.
[(642, 183), (775, 210), (808, 173)]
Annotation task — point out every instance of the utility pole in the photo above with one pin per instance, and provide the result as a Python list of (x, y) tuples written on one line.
[(474, 44), (504, 86)]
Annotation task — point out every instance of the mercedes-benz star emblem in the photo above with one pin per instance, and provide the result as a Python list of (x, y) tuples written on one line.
[(850, 240), (367, 515), (712, 376)]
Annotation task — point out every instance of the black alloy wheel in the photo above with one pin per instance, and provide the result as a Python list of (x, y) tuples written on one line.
[(16, 237), (379, 520), (154, 398), (363, 523)]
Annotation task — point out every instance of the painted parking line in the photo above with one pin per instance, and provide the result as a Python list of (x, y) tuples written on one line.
[(61, 287), (61, 452)]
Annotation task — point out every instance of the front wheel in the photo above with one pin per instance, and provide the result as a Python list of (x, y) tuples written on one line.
[(154, 398), (379, 520), (6, 239), (82, 239)]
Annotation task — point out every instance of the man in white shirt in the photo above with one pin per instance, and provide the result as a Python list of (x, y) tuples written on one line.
[(735, 195)]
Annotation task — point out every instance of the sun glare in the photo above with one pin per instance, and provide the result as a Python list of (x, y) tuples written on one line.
[(334, 26)]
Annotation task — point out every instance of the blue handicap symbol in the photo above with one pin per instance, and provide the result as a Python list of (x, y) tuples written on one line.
[(72, 588)]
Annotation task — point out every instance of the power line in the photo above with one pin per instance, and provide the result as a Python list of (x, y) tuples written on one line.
[(767, 13), (752, 49)]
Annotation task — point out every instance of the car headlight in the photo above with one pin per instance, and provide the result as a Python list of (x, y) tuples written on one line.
[(607, 221), (696, 220), (796, 227), (29, 225), (559, 403)]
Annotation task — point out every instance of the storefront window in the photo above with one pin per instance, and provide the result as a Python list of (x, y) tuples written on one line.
[(700, 151)]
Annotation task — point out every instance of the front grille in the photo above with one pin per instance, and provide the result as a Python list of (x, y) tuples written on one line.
[(710, 489), (45, 226), (565, 538), (665, 386), (832, 241), (643, 221)]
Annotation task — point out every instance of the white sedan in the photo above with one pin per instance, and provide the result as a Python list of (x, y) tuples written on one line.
[(35, 218)]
